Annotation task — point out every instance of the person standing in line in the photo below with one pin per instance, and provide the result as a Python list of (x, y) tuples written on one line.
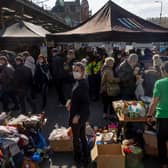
[(6, 82), (29, 61), (159, 104), (57, 72), (23, 84), (127, 78), (41, 78), (109, 86), (151, 75), (79, 114), (93, 69)]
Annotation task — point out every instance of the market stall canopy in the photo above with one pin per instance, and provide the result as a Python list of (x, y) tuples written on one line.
[(113, 23), (24, 29)]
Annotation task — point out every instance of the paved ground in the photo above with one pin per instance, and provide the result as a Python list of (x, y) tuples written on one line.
[(59, 115)]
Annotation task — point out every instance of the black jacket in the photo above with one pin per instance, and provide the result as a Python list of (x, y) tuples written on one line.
[(57, 67), (150, 76), (80, 101), (41, 74), (127, 79), (6, 77), (23, 78)]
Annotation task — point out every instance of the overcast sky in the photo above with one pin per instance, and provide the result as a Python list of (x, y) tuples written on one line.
[(143, 8)]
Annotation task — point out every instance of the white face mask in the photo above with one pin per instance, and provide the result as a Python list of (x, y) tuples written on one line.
[(77, 75)]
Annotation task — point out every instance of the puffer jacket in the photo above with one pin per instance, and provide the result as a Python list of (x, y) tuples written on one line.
[(108, 81)]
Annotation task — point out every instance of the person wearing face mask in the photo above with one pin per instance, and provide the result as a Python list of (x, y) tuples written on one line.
[(127, 78), (41, 78), (79, 113), (159, 108), (23, 84), (109, 86)]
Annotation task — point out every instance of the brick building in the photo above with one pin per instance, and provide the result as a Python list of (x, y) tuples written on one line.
[(73, 12)]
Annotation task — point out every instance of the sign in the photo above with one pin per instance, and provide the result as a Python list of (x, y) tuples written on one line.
[(43, 50)]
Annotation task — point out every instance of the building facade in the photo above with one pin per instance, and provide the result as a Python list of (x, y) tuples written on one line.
[(84, 10), (73, 12)]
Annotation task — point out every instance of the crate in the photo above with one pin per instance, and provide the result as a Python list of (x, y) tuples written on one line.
[(151, 143), (123, 118), (61, 145)]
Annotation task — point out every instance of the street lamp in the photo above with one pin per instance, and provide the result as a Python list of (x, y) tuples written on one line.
[(161, 9)]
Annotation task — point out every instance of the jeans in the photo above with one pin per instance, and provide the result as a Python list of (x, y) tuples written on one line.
[(162, 138)]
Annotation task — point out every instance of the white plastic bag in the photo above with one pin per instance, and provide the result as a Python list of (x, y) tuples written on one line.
[(139, 92)]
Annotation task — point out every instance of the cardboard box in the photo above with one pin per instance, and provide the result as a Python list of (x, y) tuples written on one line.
[(150, 138), (108, 156), (151, 143), (62, 145)]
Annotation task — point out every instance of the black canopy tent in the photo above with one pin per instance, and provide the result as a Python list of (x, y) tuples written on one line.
[(113, 23)]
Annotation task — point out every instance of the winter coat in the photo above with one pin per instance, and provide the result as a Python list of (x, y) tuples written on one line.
[(109, 84), (127, 80), (23, 79), (41, 74), (150, 76), (57, 67), (6, 77), (30, 63), (80, 101)]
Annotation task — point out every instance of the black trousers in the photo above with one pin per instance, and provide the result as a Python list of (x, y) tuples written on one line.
[(107, 104), (44, 92), (94, 86), (6, 97), (59, 87), (162, 138), (79, 142), (26, 96)]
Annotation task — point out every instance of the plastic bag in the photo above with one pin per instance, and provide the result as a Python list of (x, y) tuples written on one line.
[(139, 92)]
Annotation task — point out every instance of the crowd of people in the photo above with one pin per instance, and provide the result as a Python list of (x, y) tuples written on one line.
[(94, 76), (17, 81), (109, 77)]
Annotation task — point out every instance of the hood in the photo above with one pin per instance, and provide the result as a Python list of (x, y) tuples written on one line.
[(30, 60)]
